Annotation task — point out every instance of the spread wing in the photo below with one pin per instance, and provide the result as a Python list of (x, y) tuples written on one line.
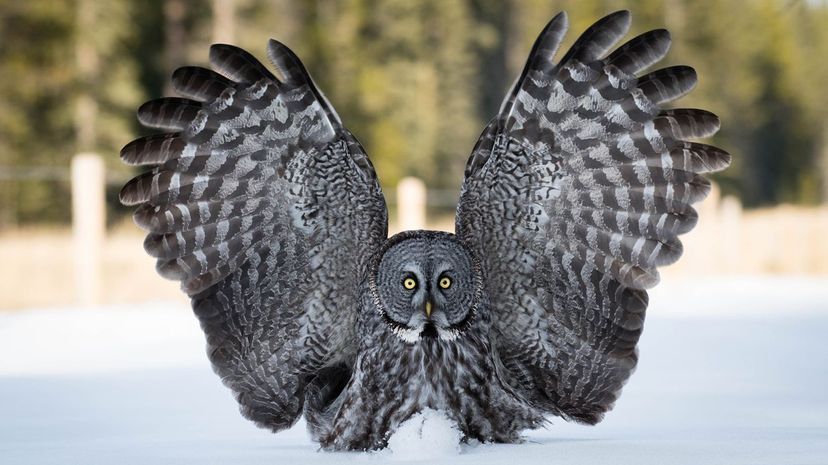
[(266, 209), (575, 193)]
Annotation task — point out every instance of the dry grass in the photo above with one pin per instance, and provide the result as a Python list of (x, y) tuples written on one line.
[(37, 269), (781, 240)]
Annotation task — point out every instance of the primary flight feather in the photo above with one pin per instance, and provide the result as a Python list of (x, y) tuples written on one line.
[(268, 211)]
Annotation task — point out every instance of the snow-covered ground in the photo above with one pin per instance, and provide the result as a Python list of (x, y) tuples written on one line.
[(732, 371)]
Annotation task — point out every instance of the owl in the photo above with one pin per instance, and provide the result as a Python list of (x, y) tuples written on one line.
[(268, 211)]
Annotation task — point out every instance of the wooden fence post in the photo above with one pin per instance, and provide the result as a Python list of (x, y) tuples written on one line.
[(88, 225), (730, 234), (411, 204)]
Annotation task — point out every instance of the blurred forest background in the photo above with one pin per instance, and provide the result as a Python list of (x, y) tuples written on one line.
[(415, 80)]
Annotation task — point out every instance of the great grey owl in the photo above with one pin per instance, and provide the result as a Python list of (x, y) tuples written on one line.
[(269, 213)]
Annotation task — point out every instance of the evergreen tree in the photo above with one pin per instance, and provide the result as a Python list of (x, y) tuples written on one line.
[(415, 80)]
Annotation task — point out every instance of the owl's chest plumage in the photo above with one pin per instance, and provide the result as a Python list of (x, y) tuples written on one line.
[(393, 380), (431, 373)]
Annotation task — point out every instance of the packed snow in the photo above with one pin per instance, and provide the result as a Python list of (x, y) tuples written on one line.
[(732, 371), (428, 435)]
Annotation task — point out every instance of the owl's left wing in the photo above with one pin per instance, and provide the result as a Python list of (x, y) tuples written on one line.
[(266, 209), (575, 193)]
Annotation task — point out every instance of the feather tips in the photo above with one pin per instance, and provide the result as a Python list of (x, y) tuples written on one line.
[(170, 113), (288, 64), (599, 38), (152, 150), (668, 84), (641, 52), (237, 64), (199, 83), (542, 57)]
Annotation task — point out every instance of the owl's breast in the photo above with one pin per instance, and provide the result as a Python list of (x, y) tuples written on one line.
[(392, 380), (442, 375)]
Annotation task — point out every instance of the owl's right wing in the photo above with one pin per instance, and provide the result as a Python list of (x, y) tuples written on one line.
[(266, 209), (575, 194)]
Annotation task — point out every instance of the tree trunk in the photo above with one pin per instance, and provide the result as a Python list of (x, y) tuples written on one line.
[(174, 38), (87, 62)]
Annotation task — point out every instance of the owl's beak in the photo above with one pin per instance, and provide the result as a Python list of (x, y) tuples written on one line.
[(428, 308)]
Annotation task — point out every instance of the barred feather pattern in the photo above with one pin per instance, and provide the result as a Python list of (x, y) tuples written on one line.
[(392, 381), (575, 193), (266, 209)]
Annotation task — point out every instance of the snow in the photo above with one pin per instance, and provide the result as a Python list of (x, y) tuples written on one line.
[(428, 435), (67, 341), (732, 371)]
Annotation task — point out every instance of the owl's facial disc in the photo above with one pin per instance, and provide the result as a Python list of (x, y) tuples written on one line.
[(426, 288)]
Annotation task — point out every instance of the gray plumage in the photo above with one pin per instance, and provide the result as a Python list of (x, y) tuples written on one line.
[(270, 214)]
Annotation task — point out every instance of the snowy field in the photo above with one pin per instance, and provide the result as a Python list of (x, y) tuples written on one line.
[(732, 371)]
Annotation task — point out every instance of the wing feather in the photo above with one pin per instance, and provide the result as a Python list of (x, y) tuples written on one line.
[(574, 195), (667, 84), (641, 52), (169, 113), (599, 38), (199, 83), (266, 209)]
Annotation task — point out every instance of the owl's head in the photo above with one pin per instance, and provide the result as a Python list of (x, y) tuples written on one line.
[(426, 284)]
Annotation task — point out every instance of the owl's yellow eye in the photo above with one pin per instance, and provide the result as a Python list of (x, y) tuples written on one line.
[(445, 282), (410, 283)]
